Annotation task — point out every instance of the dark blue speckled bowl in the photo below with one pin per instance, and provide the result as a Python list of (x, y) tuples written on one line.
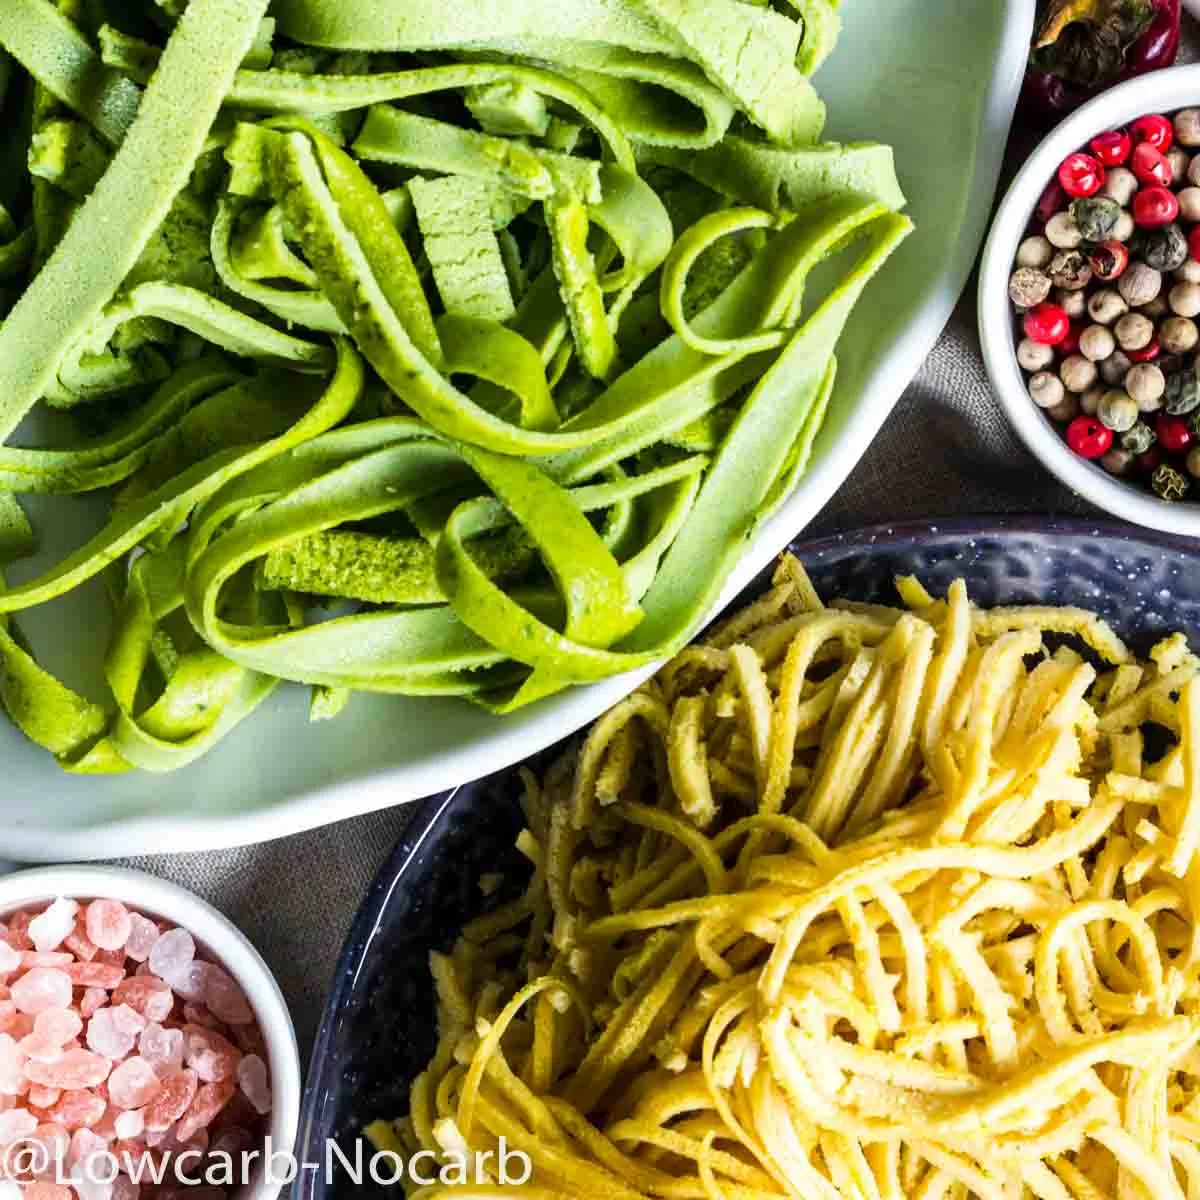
[(378, 1029)]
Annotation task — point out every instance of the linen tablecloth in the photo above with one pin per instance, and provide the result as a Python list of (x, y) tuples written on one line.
[(947, 449)]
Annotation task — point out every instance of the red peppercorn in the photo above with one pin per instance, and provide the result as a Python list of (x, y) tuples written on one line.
[(1109, 260), (1154, 207), (1154, 130), (1053, 200), (1088, 437), (1047, 324), (1148, 353), (1112, 148), (1150, 165), (1081, 175), (1194, 243), (1070, 344), (1174, 436)]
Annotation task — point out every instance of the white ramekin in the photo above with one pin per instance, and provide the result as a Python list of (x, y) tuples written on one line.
[(1160, 91), (217, 938)]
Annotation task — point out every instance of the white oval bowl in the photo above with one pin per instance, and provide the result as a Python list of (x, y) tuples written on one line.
[(218, 938), (891, 80), (1160, 91)]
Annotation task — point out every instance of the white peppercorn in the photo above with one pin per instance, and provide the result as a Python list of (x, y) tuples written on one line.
[(1089, 402), (1187, 126), (1106, 305), (1096, 343), (1180, 160), (1178, 335), (1117, 461), (1033, 356), (1134, 331), (1063, 233), (1185, 299), (1078, 373), (1146, 384), (1139, 285), (1074, 304), (1115, 367), (1037, 251), (1028, 287), (1125, 227), (1190, 271), (1120, 184), (1193, 462), (1117, 411), (1189, 203), (1066, 410), (1046, 390)]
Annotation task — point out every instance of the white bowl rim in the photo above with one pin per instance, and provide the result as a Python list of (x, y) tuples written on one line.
[(214, 932), (1160, 91)]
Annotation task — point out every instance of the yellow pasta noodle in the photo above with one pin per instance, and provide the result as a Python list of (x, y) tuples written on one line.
[(848, 903)]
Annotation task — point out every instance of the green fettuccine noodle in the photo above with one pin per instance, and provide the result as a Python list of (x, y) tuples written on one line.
[(436, 352)]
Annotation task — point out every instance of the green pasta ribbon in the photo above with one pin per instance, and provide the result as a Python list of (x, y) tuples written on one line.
[(427, 353)]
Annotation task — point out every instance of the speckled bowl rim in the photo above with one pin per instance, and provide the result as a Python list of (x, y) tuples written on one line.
[(314, 1124), (1159, 91)]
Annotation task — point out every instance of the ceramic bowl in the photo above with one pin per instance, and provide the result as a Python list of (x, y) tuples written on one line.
[(221, 941), (379, 1031), (1161, 91), (889, 79)]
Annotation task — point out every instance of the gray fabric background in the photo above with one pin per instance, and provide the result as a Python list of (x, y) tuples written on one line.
[(947, 449)]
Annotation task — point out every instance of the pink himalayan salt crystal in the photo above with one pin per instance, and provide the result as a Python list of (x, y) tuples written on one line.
[(95, 974), (40, 1049), (12, 1066), (175, 1098), (48, 929), (172, 954), (211, 1056), (75, 1069), (129, 1123), (113, 1031), (162, 1048), (15, 1124), (197, 1014), (42, 988), (108, 924), (10, 959), (78, 1108), (147, 995), (45, 1189), (78, 942), (92, 1000), (255, 1082), (58, 1025), (56, 1142), (143, 933), (224, 998), (210, 1099), (133, 1083), (41, 1096), (45, 958)]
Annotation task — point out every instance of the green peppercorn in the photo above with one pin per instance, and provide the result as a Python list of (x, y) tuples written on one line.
[(1139, 439), (1168, 483), (1118, 411), (1183, 392), (1096, 217), (1164, 249)]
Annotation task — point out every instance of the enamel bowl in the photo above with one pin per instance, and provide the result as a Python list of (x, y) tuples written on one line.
[(379, 1028), (1160, 91), (891, 79), (218, 939)]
